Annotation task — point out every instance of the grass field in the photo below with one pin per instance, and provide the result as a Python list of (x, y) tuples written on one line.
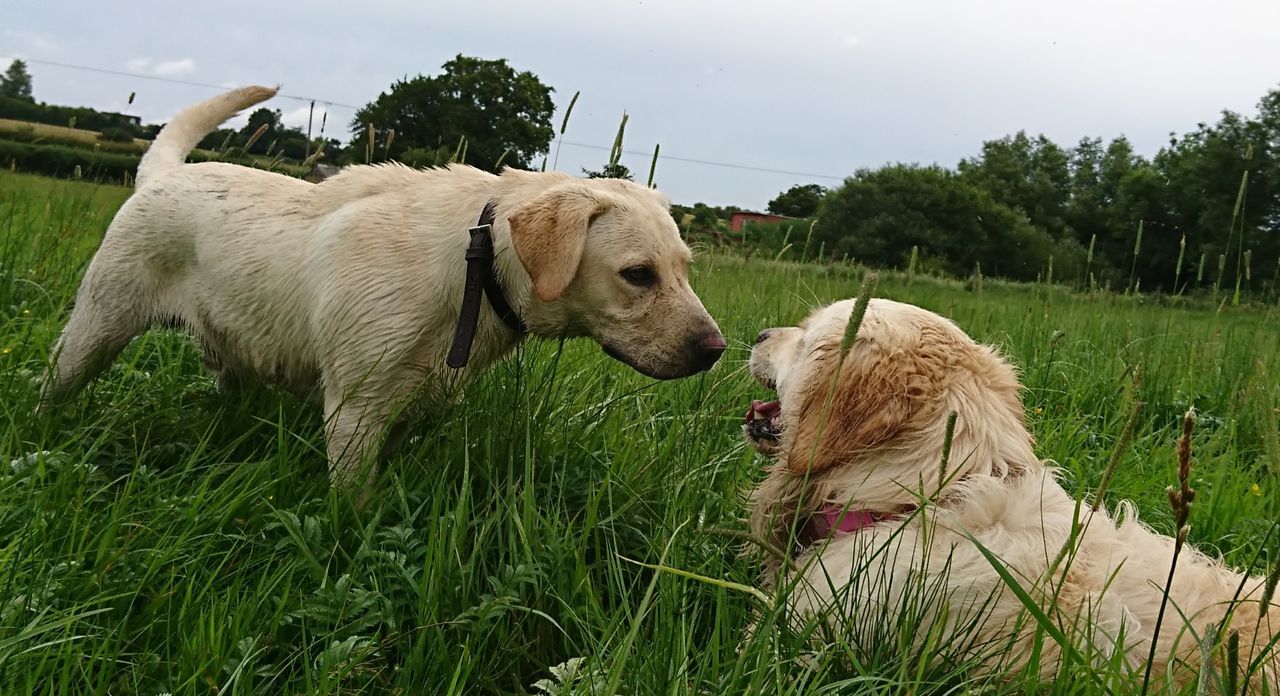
[(157, 537)]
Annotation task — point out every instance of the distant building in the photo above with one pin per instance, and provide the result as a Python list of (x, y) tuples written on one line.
[(742, 217), (135, 120)]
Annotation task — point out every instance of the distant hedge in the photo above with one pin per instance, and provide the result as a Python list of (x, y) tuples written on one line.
[(61, 161), (74, 116), (43, 137)]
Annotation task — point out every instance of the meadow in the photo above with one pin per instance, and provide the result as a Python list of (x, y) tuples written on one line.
[(157, 537)]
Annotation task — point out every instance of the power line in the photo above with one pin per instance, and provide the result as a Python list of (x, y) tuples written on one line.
[(672, 158), (191, 83), (710, 163)]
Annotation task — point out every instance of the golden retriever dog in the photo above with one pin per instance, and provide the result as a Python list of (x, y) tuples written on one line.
[(348, 291), (858, 497)]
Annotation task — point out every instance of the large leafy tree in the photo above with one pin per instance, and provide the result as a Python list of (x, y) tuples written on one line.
[(484, 110), (799, 201), (16, 81), (878, 216), (1222, 191), (1028, 174), (1112, 190)]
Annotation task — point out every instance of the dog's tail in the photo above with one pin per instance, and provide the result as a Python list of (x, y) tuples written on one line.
[(181, 134)]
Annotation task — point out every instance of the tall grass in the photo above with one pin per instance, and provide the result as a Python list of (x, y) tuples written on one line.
[(156, 536)]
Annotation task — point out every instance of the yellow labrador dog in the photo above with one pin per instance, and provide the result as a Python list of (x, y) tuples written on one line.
[(858, 496), (349, 291)]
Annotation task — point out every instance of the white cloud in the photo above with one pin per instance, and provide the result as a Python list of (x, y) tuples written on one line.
[(174, 67), (824, 86), (137, 64), (39, 42)]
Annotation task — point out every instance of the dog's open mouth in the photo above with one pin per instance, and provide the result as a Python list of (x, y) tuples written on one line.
[(763, 425)]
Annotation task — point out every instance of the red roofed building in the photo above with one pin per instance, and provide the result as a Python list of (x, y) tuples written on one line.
[(742, 217)]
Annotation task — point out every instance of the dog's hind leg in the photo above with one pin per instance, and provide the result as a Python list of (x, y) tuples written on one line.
[(91, 340)]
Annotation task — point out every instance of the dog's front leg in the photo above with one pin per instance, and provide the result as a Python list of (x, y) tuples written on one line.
[(353, 433)]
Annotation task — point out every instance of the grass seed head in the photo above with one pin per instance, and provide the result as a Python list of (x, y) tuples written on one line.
[(859, 310)]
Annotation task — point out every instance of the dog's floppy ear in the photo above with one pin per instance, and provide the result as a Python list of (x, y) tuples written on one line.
[(872, 400), (549, 233)]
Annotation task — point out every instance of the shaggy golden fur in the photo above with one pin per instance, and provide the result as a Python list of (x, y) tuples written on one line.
[(870, 438)]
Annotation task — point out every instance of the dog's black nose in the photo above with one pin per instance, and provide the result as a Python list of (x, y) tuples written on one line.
[(708, 350), (760, 337)]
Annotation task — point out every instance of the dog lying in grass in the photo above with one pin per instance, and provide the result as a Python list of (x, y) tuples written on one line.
[(867, 509), (348, 291)]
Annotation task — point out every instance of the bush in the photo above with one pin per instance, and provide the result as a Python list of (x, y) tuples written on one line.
[(879, 216), (62, 160), (116, 135), (786, 239), (40, 134)]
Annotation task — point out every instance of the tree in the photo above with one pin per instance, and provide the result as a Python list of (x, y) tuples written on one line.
[(799, 201), (483, 109), (1028, 174), (16, 81), (878, 216), (1221, 189), (266, 119), (609, 171), (1111, 191)]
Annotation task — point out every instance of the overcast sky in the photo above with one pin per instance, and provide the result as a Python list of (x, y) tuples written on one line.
[(813, 88)]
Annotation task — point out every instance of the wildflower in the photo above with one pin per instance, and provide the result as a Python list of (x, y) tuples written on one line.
[(1255, 489), (1039, 410), (568, 676), (5, 350), (26, 312)]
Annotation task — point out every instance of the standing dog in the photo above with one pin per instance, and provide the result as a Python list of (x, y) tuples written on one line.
[(348, 291), (859, 497)]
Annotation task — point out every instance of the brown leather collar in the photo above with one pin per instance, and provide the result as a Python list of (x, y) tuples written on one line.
[(480, 279)]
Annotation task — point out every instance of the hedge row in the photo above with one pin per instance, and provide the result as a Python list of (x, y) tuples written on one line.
[(62, 161), (32, 134), (81, 117)]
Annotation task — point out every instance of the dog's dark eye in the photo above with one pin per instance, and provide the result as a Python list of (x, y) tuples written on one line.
[(639, 276)]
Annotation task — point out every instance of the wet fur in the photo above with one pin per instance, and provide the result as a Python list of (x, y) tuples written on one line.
[(346, 292)]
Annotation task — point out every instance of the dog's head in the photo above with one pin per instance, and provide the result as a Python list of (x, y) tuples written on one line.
[(606, 261), (871, 427)]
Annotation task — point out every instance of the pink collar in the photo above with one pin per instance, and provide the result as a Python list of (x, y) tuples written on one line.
[(833, 520)]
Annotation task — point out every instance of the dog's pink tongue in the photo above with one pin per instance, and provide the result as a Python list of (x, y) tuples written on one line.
[(763, 410)]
